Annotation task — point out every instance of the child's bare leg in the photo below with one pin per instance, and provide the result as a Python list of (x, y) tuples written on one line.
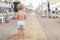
[(22, 32), (19, 32)]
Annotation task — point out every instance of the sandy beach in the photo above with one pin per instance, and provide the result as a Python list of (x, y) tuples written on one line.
[(51, 27), (33, 30), (37, 28)]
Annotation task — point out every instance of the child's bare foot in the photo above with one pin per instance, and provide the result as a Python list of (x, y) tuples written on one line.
[(19, 37), (23, 37)]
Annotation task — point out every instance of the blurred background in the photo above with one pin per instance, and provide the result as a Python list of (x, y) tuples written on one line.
[(36, 5), (47, 14)]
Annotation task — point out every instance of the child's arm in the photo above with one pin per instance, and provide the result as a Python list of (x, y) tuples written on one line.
[(25, 16), (15, 17)]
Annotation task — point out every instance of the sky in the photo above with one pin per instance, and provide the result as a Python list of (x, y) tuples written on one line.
[(35, 3)]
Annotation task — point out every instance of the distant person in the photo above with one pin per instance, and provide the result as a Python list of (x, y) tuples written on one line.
[(12, 6), (45, 12), (56, 11), (21, 17)]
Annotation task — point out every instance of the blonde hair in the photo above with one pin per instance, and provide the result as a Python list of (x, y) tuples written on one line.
[(20, 6)]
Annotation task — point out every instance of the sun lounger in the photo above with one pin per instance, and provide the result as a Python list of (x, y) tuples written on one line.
[(2, 19), (58, 15), (55, 15)]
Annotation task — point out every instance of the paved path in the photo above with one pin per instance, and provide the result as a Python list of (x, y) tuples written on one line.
[(51, 27), (6, 28), (33, 30)]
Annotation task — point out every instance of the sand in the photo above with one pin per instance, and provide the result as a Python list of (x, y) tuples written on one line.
[(33, 30)]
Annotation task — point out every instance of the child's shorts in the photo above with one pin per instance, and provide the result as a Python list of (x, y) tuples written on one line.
[(20, 24)]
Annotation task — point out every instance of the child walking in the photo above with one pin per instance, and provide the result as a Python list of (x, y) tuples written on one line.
[(21, 17)]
